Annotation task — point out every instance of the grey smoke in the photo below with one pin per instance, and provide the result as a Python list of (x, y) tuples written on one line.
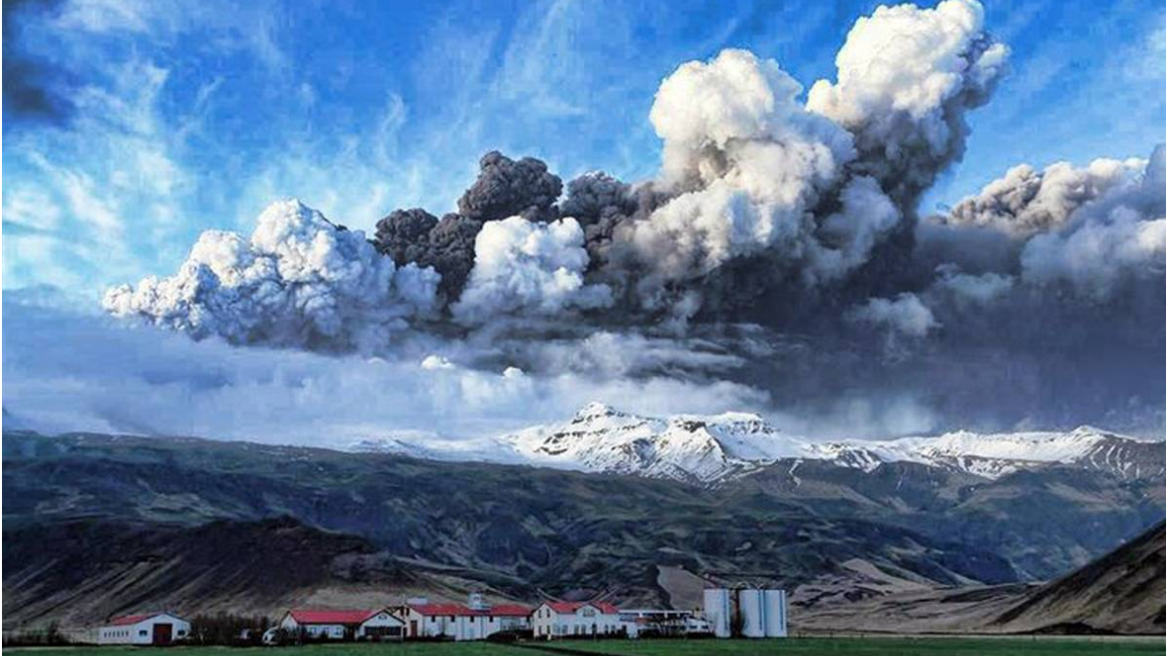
[(596, 195), (506, 188)]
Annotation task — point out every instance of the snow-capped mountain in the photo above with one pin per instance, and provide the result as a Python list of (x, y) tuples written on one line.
[(992, 455), (685, 447), (708, 449)]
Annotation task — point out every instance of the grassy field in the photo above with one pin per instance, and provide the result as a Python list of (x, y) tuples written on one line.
[(878, 646), (380, 649), (1047, 646)]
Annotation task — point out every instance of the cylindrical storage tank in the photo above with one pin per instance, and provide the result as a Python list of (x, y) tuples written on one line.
[(775, 603), (753, 612), (716, 603)]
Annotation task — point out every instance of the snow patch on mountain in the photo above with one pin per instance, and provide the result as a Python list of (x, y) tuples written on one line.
[(686, 447)]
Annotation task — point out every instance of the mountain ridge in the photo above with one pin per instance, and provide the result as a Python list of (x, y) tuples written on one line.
[(524, 530), (711, 449)]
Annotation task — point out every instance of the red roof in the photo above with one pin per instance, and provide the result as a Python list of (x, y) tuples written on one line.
[(126, 620), (567, 607), (502, 610), (303, 616)]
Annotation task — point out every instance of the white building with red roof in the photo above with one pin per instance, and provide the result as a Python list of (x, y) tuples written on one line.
[(159, 628), (559, 619), (374, 624), (460, 622)]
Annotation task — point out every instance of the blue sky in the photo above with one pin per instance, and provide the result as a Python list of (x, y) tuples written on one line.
[(175, 118)]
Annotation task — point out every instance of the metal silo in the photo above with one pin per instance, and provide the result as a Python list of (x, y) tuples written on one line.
[(753, 611), (717, 609), (775, 606)]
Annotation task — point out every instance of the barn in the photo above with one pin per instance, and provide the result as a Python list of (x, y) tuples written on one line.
[(375, 624), (159, 628)]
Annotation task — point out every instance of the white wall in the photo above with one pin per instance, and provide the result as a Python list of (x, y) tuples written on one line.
[(587, 620), (380, 620), (461, 627), (428, 626), (330, 631)]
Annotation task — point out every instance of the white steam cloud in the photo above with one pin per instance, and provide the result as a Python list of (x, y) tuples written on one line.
[(755, 159), (905, 77), (905, 314), (1097, 257), (300, 281), (524, 267), (1025, 202), (1092, 229)]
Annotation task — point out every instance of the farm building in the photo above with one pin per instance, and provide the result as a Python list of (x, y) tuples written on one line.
[(374, 624), (556, 619), (146, 629), (475, 621)]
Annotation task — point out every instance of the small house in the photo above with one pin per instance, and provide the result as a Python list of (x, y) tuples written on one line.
[(376, 624), (477, 621), (146, 629), (558, 619)]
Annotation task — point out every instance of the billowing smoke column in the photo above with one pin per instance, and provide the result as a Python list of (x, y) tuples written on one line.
[(508, 188), (906, 78), (795, 218), (299, 281), (750, 164), (504, 188), (1025, 202), (755, 190)]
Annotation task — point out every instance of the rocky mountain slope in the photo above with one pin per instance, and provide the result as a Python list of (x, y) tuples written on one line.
[(1121, 592), (519, 531), (97, 569), (713, 449)]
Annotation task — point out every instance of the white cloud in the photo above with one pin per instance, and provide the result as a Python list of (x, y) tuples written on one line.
[(526, 267), (298, 282), (906, 76), (1098, 256), (1025, 201), (904, 314), (750, 161), (64, 371), (975, 289)]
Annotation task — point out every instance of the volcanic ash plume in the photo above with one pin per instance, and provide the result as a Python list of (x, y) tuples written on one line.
[(779, 245), (1025, 202), (1091, 230), (756, 191)]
